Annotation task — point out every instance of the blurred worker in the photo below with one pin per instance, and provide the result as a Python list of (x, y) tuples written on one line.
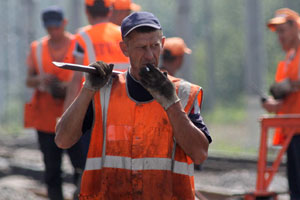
[(97, 41), (286, 24), (49, 83), (172, 59), (143, 142), (173, 54), (121, 9)]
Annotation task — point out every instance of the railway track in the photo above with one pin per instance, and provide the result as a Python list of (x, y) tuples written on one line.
[(221, 177)]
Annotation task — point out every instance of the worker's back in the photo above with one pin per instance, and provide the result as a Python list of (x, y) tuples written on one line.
[(101, 42)]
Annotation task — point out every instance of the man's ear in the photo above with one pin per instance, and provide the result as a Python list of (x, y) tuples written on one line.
[(65, 22), (163, 41), (124, 48)]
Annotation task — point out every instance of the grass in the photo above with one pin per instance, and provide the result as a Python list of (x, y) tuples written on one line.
[(12, 118), (224, 114), (228, 128)]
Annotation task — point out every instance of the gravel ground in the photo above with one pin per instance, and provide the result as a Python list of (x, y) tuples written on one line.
[(21, 166), (10, 193), (235, 177)]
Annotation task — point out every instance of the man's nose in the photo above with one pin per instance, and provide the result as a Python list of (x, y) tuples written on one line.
[(149, 53)]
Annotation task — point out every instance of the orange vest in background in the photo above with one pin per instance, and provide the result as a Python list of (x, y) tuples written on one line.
[(132, 153), (43, 110), (101, 43), (288, 68)]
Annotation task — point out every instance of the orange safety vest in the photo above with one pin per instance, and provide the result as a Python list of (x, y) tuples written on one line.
[(288, 68), (43, 110), (133, 154), (101, 42)]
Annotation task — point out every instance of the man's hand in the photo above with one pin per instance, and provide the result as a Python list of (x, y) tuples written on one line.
[(96, 81), (44, 80), (272, 105), (159, 86), (281, 89), (57, 88)]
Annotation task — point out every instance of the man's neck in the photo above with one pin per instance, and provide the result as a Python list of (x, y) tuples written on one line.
[(98, 20), (57, 42), (136, 91), (296, 44)]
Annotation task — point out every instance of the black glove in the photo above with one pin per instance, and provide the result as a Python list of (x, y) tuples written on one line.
[(96, 81), (57, 88), (158, 85), (281, 89)]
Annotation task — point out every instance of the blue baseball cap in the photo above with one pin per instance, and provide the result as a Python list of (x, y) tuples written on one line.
[(139, 19), (52, 16)]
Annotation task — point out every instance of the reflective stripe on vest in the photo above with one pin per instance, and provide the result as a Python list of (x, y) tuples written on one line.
[(105, 95), (184, 92), (128, 163), (169, 164), (39, 61), (89, 45), (39, 57), (92, 54)]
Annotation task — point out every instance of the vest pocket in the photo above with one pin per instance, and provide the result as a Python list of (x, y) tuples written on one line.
[(118, 139), (118, 133)]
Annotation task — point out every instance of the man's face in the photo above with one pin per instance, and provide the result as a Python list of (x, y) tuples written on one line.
[(178, 62), (142, 49), (56, 32), (287, 34)]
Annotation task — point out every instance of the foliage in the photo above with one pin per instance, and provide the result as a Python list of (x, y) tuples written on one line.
[(165, 10), (13, 121), (228, 29)]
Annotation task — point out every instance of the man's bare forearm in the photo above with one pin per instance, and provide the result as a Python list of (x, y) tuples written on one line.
[(68, 128), (191, 139)]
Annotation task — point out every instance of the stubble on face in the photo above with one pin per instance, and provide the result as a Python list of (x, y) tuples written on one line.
[(143, 48)]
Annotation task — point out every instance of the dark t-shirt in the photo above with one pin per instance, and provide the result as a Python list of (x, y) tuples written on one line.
[(140, 94)]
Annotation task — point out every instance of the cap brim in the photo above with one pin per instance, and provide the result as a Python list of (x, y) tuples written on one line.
[(140, 25), (276, 21), (187, 50), (135, 7)]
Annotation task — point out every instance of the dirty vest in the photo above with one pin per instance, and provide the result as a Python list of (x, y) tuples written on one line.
[(289, 68), (43, 110), (133, 154), (101, 43)]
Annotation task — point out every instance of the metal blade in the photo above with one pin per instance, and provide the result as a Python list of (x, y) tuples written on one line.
[(77, 67)]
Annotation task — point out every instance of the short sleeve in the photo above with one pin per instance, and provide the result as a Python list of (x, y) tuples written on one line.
[(198, 121)]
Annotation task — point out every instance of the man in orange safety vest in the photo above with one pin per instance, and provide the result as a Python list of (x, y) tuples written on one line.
[(97, 41), (49, 84), (147, 131), (286, 24)]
